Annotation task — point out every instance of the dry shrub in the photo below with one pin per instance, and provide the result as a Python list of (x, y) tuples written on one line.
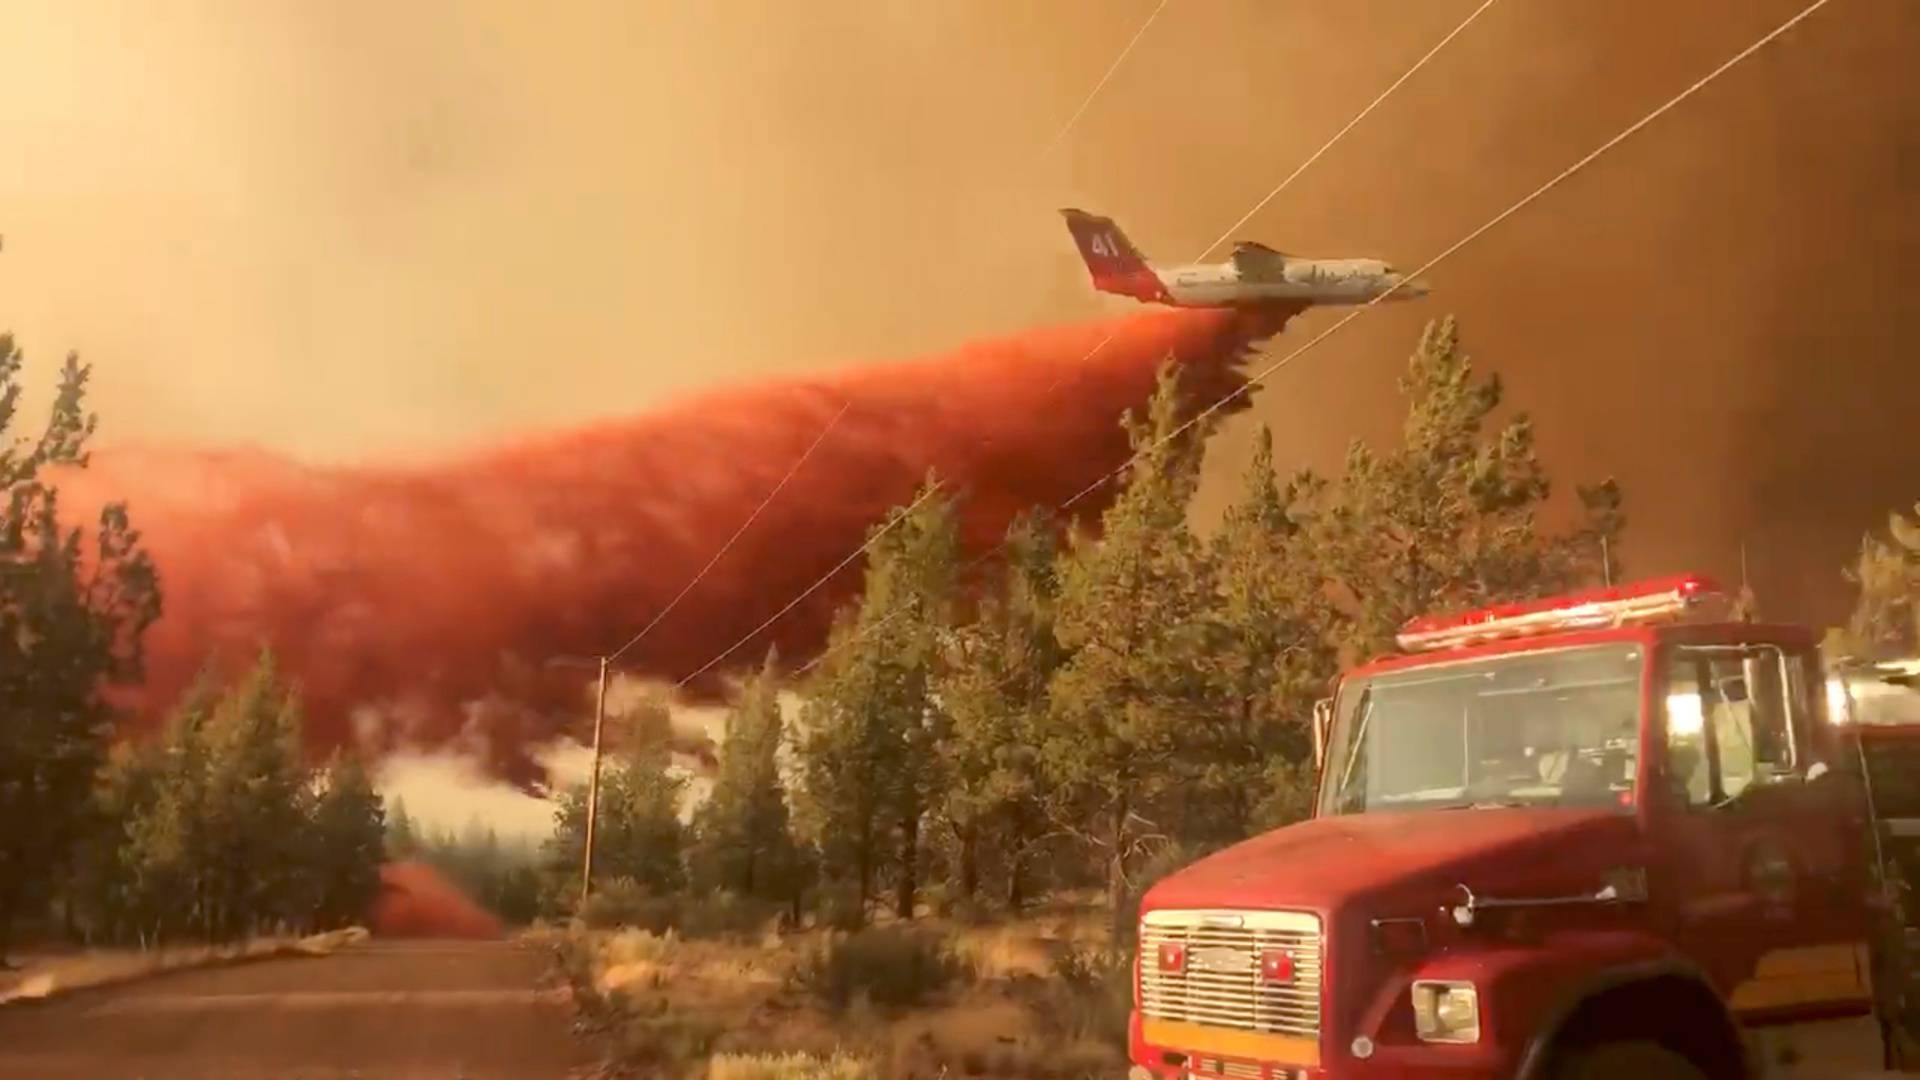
[(837, 906), (1164, 862), (1096, 989), (625, 902), (889, 966), (576, 955), (634, 945), (1010, 1002), (1089, 1061), (1001, 952), (790, 1067), (995, 1037), (726, 915), (655, 1039), (630, 957)]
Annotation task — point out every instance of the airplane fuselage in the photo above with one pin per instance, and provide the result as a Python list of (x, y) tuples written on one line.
[(1307, 281), (1254, 275)]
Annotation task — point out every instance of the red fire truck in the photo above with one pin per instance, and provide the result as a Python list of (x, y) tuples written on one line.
[(1611, 834)]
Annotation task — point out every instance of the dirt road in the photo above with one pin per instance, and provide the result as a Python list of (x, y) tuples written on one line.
[(384, 1009)]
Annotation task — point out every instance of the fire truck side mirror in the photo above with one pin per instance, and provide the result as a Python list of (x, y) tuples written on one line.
[(1322, 722)]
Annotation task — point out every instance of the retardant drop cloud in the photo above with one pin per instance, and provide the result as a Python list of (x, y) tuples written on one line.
[(416, 901), (419, 606)]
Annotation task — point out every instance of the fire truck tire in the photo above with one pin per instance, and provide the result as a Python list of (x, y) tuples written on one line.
[(1639, 1060)]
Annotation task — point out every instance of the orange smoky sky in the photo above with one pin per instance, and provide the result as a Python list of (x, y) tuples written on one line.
[(362, 234)]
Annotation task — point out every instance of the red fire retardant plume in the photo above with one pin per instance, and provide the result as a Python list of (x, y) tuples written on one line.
[(418, 606), (415, 901)]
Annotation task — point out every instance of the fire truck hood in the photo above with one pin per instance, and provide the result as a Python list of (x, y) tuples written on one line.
[(1328, 862)]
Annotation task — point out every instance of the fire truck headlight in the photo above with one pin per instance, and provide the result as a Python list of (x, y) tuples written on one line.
[(1446, 1012)]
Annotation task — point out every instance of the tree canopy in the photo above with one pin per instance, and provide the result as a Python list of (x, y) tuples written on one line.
[(221, 829), (74, 602)]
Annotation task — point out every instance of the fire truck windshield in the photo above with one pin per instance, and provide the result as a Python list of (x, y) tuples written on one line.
[(1558, 727)]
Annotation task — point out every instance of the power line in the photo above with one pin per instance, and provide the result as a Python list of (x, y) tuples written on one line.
[(1503, 215), (664, 612), (811, 589), (1338, 135), (737, 533), (1245, 218), (968, 568), (1469, 238), (1104, 79), (1270, 196)]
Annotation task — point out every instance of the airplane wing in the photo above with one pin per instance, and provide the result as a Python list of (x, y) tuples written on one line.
[(1258, 260)]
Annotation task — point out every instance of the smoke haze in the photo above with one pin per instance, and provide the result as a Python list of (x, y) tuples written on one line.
[(370, 238)]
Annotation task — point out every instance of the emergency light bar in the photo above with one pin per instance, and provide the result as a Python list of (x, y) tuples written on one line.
[(1657, 600)]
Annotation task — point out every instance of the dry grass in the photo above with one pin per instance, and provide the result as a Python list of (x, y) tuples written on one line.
[(1033, 1004), (1005, 952), (111, 967), (790, 1067), (890, 966)]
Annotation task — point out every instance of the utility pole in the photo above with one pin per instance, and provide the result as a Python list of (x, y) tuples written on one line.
[(1606, 563), (593, 784)]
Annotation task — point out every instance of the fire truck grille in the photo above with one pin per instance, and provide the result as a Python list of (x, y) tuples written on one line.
[(1238, 1070), (1202, 1068), (1217, 968)]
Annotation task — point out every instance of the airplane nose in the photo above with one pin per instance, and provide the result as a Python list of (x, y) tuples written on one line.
[(1412, 288)]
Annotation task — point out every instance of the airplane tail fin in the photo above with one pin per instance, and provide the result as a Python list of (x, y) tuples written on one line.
[(1111, 258)]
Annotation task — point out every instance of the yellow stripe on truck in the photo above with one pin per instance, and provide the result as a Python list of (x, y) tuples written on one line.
[(1226, 1042)]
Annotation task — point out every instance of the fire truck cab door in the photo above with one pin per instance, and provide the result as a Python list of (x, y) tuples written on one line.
[(1761, 873)]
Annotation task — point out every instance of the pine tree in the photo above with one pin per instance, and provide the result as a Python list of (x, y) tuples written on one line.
[(223, 846), (348, 841), (638, 835), (73, 607), (1130, 704), (487, 864), (100, 892), (871, 723), (1274, 653), (258, 793), (994, 693), (643, 731), (744, 843), (1886, 574), (841, 756), (166, 848), (1448, 519), (402, 840), (219, 828)]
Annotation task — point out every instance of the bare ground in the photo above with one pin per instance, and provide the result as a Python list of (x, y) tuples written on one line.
[(387, 1009)]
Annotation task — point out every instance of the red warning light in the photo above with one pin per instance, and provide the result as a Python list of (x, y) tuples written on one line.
[(1173, 956), (1276, 965), (1658, 600)]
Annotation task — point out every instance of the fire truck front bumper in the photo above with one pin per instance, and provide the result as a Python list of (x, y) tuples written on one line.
[(1162, 1051)]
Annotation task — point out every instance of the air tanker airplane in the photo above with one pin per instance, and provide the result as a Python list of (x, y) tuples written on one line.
[(1253, 276)]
